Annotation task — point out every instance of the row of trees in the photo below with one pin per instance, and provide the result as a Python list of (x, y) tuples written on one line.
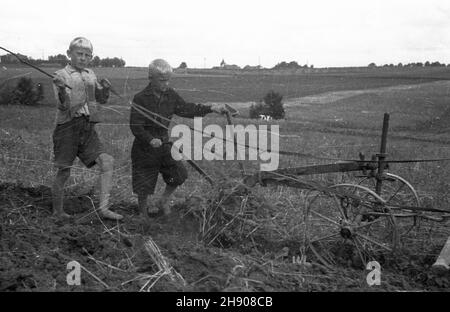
[(418, 64), (107, 62), (280, 66), (294, 65), (62, 60), (290, 65)]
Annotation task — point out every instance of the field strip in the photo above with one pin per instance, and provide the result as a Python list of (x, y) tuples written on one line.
[(333, 96), (330, 97)]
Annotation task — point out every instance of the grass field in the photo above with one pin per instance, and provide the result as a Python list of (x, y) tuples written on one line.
[(335, 115)]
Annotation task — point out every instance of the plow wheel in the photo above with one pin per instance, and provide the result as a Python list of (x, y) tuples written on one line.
[(398, 192), (352, 214)]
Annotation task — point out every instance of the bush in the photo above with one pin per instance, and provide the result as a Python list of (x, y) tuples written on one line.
[(272, 105), (25, 93), (6, 94), (256, 110)]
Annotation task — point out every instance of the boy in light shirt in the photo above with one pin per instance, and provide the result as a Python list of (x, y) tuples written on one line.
[(75, 135)]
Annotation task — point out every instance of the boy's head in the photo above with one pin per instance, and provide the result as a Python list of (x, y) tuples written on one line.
[(80, 52), (159, 73)]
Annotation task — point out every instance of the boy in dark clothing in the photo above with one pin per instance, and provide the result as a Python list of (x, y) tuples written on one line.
[(151, 151)]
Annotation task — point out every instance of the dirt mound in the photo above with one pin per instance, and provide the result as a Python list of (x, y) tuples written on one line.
[(166, 255)]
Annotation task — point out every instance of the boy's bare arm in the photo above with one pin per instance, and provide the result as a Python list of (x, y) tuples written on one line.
[(62, 98)]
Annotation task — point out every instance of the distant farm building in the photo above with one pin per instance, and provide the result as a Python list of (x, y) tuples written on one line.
[(224, 65)]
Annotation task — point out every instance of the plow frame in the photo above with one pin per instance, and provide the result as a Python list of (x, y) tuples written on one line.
[(385, 215)]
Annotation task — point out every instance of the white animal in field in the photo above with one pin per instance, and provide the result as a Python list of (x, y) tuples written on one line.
[(4, 68), (265, 117)]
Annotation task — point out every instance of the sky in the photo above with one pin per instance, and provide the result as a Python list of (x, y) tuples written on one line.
[(323, 33)]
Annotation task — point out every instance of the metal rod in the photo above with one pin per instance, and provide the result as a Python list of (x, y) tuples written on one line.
[(33, 66), (230, 122), (382, 155)]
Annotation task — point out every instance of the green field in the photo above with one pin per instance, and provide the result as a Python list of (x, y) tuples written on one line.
[(220, 86), (328, 115)]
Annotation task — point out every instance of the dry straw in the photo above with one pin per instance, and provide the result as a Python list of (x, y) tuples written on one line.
[(164, 268)]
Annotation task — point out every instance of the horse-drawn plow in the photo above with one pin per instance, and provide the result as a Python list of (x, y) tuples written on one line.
[(375, 214)]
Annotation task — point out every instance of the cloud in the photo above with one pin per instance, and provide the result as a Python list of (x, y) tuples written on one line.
[(323, 32)]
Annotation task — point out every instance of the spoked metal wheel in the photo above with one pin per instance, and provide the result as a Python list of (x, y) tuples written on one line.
[(349, 213), (397, 192)]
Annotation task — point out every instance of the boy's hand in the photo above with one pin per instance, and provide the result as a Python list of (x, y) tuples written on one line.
[(105, 83), (59, 83), (156, 143)]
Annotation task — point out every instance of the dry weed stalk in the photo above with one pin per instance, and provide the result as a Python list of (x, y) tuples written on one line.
[(234, 212), (164, 268)]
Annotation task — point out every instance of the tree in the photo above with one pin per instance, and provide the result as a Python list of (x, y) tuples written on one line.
[(107, 62), (274, 104), (271, 105), (11, 59), (120, 62), (436, 64), (294, 64), (25, 93), (291, 65), (60, 59), (372, 65), (256, 110), (183, 65), (95, 61)]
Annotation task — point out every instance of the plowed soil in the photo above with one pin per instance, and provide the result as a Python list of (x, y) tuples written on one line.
[(35, 249)]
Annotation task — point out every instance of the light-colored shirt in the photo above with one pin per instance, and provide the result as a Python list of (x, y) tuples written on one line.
[(82, 98)]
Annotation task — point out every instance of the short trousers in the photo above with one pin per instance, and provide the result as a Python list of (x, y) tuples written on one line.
[(76, 138), (148, 162)]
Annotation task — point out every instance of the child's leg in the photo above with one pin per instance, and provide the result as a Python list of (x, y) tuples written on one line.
[(144, 173), (142, 203), (90, 153), (164, 200), (58, 192), (174, 174), (168, 191), (65, 148), (106, 164)]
